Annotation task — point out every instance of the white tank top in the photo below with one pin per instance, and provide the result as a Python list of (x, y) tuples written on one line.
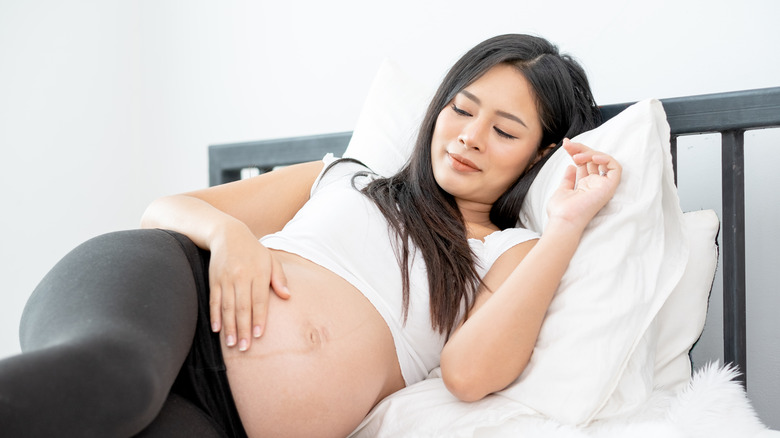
[(342, 230)]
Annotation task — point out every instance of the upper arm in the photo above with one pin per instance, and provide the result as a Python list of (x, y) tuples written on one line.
[(499, 271), (463, 376), (265, 203)]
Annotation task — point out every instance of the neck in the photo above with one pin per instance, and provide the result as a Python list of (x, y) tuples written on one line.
[(477, 219)]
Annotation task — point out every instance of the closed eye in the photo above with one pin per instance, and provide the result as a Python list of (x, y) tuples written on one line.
[(504, 134), (459, 111)]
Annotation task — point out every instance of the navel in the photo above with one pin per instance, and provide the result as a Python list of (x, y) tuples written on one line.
[(316, 336)]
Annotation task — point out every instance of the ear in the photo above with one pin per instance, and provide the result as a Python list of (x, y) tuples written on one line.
[(541, 153)]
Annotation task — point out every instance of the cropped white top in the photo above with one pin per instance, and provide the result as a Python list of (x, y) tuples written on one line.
[(342, 230)]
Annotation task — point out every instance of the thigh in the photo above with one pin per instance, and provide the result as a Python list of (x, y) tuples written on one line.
[(134, 286), (104, 336)]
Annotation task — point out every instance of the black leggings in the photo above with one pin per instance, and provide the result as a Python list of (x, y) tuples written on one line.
[(108, 351)]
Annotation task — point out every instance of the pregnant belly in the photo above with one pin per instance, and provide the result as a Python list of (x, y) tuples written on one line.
[(325, 359)]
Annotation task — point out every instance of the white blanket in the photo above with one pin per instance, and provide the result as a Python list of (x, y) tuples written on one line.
[(713, 405)]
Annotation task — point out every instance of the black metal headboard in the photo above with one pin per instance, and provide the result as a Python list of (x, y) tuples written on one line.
[(730, 114)]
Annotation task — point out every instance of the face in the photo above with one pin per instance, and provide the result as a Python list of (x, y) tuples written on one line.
[(486, 137)]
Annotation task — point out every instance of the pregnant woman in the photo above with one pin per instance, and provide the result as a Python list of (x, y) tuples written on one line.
[(291, 303)]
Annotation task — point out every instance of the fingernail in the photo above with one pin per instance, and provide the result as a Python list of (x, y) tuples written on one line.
[(243, 345), (230, 340), (257, 331), (214, 327)]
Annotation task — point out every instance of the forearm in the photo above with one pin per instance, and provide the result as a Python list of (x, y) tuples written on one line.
[(193, 217), (254, 207), (494, 345)]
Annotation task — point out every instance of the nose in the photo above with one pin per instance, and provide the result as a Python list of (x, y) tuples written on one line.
[(472, 136)]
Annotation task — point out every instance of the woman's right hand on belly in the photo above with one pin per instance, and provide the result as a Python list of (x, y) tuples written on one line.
[(242, 273)]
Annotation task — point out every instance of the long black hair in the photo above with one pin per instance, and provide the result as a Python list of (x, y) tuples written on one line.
[(418, 210)]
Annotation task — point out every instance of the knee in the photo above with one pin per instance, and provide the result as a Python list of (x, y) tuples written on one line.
[(146, 242), (128, 388), (141, 280), (110, 262), (97, 386), (143, 256), (110, 255), (152, 244)]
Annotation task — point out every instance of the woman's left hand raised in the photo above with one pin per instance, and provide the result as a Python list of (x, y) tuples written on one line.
[(586, 187)]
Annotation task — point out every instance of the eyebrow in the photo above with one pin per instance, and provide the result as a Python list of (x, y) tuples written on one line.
[(504, 114)]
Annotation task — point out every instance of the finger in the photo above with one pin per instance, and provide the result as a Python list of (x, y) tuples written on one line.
[(574, 148), (279, 280), (582, 171), (260, 295), (608, 161), (582, 154), (593, 168), (215, 307), (569, 178), (243, 315), (229, 316), (567, 144), (608, 166), (583, 157), (571, 147), (614, 173), (601, 158)]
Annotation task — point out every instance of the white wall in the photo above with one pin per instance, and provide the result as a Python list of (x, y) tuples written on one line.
[(106, 105)]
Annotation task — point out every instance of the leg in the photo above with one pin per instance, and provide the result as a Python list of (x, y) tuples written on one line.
[(180, 418), (103, 338)]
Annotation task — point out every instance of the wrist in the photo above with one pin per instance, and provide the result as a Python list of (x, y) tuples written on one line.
[(227, 230), (565, 228)]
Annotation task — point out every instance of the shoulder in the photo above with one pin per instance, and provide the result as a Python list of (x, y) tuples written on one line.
[(337, 170), (498, 243)]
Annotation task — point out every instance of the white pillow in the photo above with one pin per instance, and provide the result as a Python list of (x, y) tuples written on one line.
[(661, 360), (681, 319), (389, 120), (630, 257)]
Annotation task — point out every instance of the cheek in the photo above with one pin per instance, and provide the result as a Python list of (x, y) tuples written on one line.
[(515, 161), (446, 126), (512, 167)]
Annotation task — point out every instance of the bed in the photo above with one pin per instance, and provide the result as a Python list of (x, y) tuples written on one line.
[(709, 402)]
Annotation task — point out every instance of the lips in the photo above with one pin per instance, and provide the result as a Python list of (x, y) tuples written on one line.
[(462, 164)]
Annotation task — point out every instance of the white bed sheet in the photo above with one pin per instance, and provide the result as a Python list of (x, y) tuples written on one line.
[(713, 405)]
